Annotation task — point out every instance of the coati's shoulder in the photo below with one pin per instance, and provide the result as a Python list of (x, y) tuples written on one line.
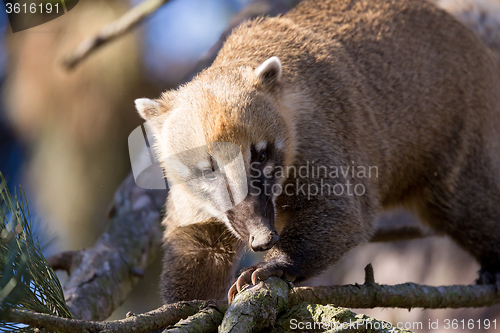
[(255, 41)]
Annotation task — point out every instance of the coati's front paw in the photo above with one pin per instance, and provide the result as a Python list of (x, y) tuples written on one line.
[(257, 273), (487, 277)]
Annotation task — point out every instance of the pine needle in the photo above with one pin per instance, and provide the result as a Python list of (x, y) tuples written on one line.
[(27, 282)]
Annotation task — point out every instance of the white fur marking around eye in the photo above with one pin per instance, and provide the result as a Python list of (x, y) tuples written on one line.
[(261, 146), (179, 168)]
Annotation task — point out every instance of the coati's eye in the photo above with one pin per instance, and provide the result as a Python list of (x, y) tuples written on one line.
[(262, 157), (209, 174)]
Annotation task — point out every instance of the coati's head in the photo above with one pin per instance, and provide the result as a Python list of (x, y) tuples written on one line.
[(220, 138)]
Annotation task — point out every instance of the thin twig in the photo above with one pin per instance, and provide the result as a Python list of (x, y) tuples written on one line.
[(406, 296), (146, 8), (113, 30)]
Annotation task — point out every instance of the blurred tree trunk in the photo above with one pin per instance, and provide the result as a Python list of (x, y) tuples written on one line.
[(75, 124)]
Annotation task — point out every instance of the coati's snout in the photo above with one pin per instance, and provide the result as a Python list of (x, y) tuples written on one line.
[(253, 218), (264, 240), (253, 221)]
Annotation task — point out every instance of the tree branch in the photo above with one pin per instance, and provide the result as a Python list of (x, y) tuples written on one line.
[(407, 295), (156, 319), (113, 30), (102, 276), (261, 305), (206, 320)]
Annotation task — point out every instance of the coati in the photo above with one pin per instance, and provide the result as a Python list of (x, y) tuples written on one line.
[(399, 85)]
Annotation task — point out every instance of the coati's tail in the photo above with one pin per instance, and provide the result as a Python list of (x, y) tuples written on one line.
[(481, 16)]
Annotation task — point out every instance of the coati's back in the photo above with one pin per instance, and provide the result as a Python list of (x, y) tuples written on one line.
[(416, 81)]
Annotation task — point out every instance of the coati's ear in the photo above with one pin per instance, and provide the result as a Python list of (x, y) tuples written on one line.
[(147, 108), (269, 72)]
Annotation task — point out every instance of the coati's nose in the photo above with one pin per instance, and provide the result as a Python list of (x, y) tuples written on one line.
[(263, 242)]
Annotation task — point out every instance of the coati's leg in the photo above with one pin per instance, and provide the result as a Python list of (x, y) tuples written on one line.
[(469, 211), (199, 262), (315, 237)]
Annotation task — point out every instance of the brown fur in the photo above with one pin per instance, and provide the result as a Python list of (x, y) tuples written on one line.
[(400, 85)]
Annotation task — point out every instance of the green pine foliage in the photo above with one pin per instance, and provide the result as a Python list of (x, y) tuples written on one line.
[(27, 282)]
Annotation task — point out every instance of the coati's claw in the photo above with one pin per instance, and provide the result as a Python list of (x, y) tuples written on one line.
[(262, 274), (256, 274), (244, 279), (232, 293)]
